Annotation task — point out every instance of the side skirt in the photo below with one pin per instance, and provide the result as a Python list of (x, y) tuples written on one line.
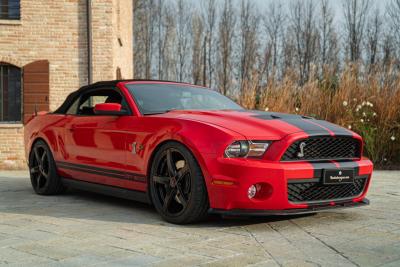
[(107, 190)]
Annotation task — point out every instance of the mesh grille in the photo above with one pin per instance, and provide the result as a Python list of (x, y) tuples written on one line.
[(315, 191), (324, 148)]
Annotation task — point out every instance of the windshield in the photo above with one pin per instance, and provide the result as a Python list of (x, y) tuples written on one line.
[(161, 98)]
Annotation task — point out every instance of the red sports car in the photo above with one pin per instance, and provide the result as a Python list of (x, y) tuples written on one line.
[(190, 151)]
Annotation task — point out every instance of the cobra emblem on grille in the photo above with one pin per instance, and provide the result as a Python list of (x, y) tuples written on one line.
[(300, 154)]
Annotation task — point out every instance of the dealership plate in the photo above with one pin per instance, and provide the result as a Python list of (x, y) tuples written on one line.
[(338, 176)]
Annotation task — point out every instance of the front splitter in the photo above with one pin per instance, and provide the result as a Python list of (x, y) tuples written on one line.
[(311, 209)]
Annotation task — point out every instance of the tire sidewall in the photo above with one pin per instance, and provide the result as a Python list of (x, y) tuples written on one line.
[(52, 168), (196, 179)]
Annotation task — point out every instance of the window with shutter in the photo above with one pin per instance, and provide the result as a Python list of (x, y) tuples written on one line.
[(36, 87), (10, 93)]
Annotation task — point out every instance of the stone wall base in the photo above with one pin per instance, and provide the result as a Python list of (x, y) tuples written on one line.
[(12, 155)]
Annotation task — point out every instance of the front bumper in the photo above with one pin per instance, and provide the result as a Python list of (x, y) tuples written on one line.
[(228, 181)]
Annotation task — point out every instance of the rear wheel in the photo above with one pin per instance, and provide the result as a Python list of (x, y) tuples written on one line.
[(42, 169), (177, 186)]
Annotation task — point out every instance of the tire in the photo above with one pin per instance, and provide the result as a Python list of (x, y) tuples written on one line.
[(176, 184), (43, 172)]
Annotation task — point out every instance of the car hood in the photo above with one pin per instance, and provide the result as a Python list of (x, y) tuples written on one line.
[(258, 125)]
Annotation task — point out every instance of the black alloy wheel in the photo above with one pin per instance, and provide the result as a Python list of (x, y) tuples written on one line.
[(42, 169), (177, 185)]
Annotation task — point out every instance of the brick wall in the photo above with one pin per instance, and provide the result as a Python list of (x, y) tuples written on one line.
[(110, 21), (123, 55), (11, 148), (56, 31)]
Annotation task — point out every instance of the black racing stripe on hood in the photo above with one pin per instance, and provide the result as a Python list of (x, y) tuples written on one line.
[(350, 165), (298, 121), (306, 126), (320, 166), (337, 130)]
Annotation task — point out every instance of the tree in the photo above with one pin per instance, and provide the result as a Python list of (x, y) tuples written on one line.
[(225, 44), (355, 15), (328, 36), (393, 38), (274, 21), (160, 38), (373, 36), (143, 32), (183, 33), (209, 19), (248, 40), (138, 48), (197, 49), (169, 39), (328, 59), (305, 36)]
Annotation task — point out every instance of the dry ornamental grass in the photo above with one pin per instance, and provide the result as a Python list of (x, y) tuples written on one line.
[(367, 103)]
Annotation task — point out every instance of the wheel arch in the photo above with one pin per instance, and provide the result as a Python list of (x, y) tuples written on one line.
[(196, 154), (34, 141)]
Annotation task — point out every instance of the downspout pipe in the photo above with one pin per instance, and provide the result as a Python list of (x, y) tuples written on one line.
[(89, 39)]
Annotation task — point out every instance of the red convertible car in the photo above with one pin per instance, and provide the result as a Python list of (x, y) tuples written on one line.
[(191, 151)]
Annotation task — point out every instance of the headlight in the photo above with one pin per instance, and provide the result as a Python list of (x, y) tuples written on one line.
[(247, 149)]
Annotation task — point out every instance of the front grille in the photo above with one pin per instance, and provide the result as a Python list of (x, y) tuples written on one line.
[(316, 191), (324, 148)]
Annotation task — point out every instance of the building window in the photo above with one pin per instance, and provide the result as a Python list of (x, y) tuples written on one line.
[(10, 9), (10, 93)]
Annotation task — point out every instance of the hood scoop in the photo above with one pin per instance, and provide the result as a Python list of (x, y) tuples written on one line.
[(277, 116)]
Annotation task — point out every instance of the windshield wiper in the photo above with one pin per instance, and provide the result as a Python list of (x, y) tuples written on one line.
[(160, 112)]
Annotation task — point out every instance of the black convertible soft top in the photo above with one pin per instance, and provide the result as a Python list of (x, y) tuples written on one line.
[(72, 96)]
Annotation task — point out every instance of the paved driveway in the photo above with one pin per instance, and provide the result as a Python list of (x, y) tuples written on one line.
[(82, 229)]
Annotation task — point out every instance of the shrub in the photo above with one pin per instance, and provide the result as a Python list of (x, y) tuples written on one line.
[(367, 103)]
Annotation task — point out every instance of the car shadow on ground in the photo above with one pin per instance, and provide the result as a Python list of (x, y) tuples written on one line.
[(211, 220), (82, 205)]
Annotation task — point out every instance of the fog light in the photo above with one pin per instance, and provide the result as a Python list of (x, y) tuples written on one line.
[(252, 191)]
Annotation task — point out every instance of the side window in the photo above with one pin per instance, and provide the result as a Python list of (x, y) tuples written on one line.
[(87, 102), (92, 101), (73, 109)]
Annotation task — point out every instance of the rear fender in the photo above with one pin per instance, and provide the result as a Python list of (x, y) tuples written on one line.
[(41, 127)]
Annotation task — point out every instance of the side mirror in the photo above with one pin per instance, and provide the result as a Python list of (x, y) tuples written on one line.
[(111, 109)]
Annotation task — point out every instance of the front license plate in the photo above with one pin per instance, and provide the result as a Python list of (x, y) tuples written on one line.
[(338, 177)]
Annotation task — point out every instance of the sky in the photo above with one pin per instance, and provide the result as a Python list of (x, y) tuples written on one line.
[(336, 5)]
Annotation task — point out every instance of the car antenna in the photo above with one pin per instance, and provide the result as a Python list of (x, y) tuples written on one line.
[(35, 109)]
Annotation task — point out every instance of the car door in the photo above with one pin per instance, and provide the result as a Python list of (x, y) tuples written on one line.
[(96, 144)]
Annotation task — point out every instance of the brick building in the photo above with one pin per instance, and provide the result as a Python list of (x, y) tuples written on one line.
[(49, 49)]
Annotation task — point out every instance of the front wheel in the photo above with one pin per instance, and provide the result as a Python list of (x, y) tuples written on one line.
[(42, 169), (177, 186)]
